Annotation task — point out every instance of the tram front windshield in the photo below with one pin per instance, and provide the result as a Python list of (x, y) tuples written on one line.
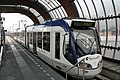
[(86, 42)]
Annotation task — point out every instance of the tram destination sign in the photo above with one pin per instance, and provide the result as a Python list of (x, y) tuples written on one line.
[(80, 24)]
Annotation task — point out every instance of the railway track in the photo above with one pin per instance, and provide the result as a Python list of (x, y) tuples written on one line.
[(100, 77)]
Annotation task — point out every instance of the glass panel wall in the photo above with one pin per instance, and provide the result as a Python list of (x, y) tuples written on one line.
[(54, 8), (106, 13)]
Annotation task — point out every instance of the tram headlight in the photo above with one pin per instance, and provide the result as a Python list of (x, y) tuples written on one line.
[(85, 65), (99, 63)]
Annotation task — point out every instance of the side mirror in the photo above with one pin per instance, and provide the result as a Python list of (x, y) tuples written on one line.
[(66, 37)]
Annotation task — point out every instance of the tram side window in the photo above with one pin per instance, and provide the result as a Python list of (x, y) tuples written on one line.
[(46, 41), (57, 45), (22, 37), (27, 38), (39, 39), (30, 38)]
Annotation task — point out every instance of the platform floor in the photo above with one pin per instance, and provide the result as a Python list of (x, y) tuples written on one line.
[(20, 64)]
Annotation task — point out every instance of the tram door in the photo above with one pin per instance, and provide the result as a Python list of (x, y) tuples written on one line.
[(34, 43), (57, 62), (57, 45)]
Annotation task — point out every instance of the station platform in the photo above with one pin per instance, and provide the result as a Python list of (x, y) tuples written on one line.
[(19, 64)]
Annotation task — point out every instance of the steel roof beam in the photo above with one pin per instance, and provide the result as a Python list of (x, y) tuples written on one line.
[(30, 3), (6, 9), (70, 8)]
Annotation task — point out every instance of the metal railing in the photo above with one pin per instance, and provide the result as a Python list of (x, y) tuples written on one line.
[(1, 53), (78, 68)]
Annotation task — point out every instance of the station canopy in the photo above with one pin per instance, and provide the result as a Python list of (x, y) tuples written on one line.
[(56, 9)]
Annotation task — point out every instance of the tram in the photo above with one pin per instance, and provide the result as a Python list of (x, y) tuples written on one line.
[(65, 42)]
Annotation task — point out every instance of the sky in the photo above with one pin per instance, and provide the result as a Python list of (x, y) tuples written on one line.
[(12, 21)]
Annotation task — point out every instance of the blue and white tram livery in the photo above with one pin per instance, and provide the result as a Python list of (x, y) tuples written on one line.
[(65, 42)]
